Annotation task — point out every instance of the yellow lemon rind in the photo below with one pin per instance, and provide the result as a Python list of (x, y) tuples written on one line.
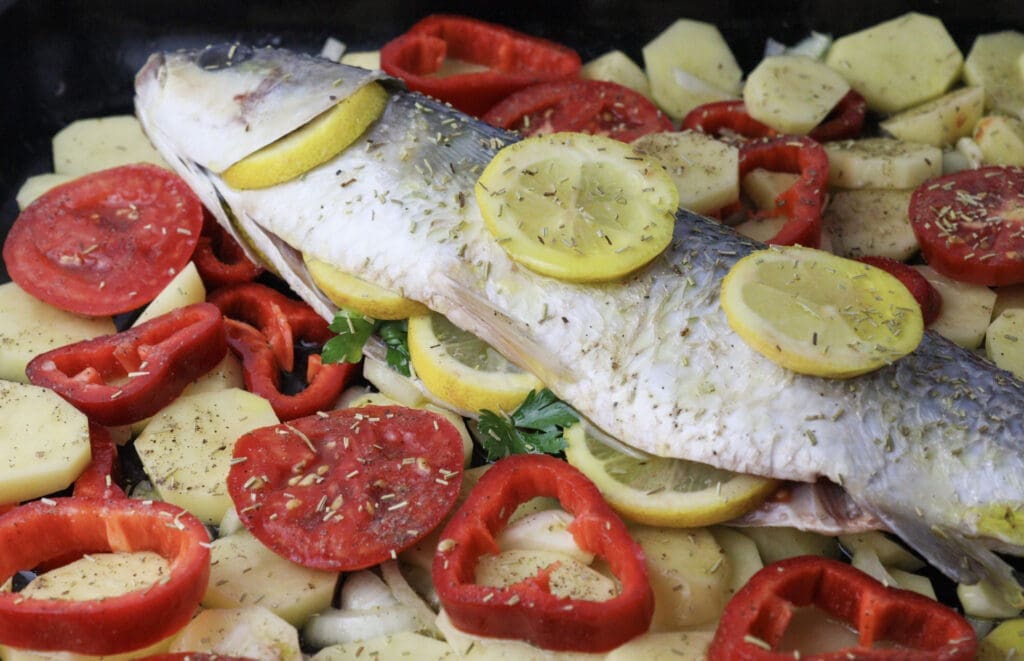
[(353, 293)]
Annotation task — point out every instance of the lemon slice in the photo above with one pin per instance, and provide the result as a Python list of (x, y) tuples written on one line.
[(463, 370), (364, 297), (578, 207), (661, 491), (312, 144), (819, 314)]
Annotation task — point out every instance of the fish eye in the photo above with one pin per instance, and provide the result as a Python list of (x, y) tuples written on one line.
[(222, 56)]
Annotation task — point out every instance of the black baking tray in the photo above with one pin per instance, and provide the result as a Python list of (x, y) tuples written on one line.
[(62, 60)]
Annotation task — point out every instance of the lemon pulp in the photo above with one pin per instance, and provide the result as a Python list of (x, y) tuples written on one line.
[(577, 207)]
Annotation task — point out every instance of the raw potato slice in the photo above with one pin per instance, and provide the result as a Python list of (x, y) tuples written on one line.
[(664, 645), (15, 654), (570, 578), (186, 288), (764, 186), (889, 553), (404, 645), (1004, 341), (881, 163), (90, 145), (792, 93), (44, 442), (100, 575), (939, 122), (741, 551), (871, 222), (966, 309), (689, 574), (1001, 140), (900, 63), (617, 67), (705, 170), (369, 59), (244, 571), (29, 327), (994, 63), (1003, 642), (689, 64), (37, 185), (186, 448), (776, 544), (1008, 298), (252, 632), (762, 229)]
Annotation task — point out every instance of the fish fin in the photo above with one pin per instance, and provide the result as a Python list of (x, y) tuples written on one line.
[(965, 559)]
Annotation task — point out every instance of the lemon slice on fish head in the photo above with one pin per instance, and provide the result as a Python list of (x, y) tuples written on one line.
[(662, 491), (349, 291), (819, 314), (312, 144), (577, 207), (463, 370)]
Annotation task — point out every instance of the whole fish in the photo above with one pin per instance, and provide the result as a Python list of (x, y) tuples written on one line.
[(933, 445)]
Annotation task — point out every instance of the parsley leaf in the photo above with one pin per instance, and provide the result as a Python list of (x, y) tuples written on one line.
[(396, 336), (353, 331), (535, 427)]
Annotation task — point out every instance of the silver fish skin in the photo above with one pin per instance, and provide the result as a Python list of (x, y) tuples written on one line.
[(932, 445)]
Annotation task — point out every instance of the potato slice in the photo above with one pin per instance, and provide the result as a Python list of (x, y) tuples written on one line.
[(881, 163), (29, 327), (244, 571), (369, 59), (764, 186), (994, 63), (871, 222), (705, 170), (100, 575), (966, 309), (1000, 139), (744, 558), (939, 122), (186, 288), (403, 645), (252, 632), (38, 184), (571, 578), (1004, 341), (762, 229), (792, 93), (186, 448), (44, 442), (90, 145), (776, 544), (900, 63), (690, 64), (617, 67)]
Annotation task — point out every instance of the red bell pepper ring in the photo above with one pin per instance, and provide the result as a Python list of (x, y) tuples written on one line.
[(265, 308), (527, 610), (803, 202), (730, 118), (34, 533), (262, 376), (99, 479), (219, 259), (756, 618), (126, 377), (514, 60)]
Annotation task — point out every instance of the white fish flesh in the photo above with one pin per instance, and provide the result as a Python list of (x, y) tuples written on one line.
[(933, 445)]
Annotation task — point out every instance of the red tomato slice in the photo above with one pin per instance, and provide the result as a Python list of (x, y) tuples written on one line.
[(927, 296), (970, 225), (347, 489), (107, 242), (586, 106)]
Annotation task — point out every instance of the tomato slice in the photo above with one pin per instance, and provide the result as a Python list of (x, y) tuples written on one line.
[(584, 106), (927, 296), (107, 242), (349, 488), (970, 225)]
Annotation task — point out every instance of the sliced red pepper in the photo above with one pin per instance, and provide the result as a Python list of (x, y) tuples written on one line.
[(527, 610), (324, 383), (349, 488), (40, 531), (969, 225), (219, 259), (927, 296), (99, 479), (584, 106), (263, 307), (756, 618), (730, 118), (107, 242), (126, 377), (514, 60), (803, 202)]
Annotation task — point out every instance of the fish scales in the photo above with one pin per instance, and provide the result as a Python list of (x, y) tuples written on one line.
[(933, 445)]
